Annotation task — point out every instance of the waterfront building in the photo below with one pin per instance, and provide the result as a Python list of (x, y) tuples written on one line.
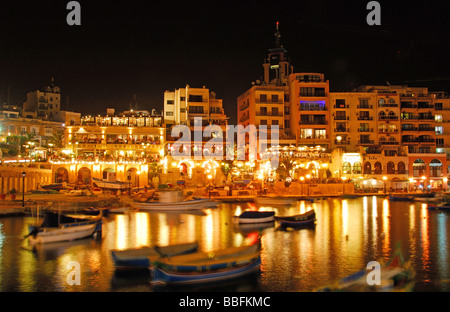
[(197, 108), (127, 143), (46, 104)]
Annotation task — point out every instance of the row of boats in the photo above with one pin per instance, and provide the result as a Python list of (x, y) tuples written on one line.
[(433, 200)]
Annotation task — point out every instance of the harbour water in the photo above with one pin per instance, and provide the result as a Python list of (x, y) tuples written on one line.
[(348, 234)]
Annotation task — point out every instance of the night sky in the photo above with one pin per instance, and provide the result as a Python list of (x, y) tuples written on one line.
[(146, 47)]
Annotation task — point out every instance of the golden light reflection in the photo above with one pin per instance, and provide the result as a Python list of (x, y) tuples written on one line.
[(374, 218), (208, 233), (345, 218), (121, 232), (365, 220), (386, 227), (163, 230), (424, 234), (142, 229), (412, 237)]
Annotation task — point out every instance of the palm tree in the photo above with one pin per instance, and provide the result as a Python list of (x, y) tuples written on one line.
[(57, 139), (286, 168)]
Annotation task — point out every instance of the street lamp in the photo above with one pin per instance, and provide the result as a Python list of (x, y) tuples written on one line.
[(23, 188), (384, 183), (138, 176)]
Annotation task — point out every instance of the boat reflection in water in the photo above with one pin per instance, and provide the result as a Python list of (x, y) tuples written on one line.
[(348, 234)]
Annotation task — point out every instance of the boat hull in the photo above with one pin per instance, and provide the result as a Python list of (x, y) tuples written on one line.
[(111, 185), (139, 258), (176, 278), (280, 201), (255, 217), (174, 206), (64, 233)]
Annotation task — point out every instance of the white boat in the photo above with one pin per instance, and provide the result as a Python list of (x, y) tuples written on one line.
[(200, 203), (58, 228), (172, 200), (274, 200), (255, 217), (118, 185)]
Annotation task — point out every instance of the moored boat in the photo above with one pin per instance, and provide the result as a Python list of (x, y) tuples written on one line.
[(274, 200), (400, 198), (255, 217), (172, 200), (306, 218), (396, 275), (207, 266), (117, 185), (140, 258), (58, 228)]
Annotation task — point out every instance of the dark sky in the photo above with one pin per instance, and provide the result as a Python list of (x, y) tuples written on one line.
[(146, 47)]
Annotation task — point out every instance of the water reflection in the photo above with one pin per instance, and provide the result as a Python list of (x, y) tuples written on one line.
[(349, 233)]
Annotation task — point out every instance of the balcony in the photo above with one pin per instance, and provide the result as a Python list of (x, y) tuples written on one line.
[(243, 106), (410, 129), (245, 118), (341, 142), (267, 114), (313, 122), (408, 105), (365, 129), (342, 130), (388, 105), (364, 106), (341, 118), (426, 117), (387, 117), (362, 142), (389, 142), (365, 118)]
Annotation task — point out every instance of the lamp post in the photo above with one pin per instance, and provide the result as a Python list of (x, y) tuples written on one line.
[(138, 176), (384, 183), (129, 182), (23, 188)]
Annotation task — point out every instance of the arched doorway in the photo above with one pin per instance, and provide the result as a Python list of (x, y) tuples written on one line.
[(390, 168), (401, 167), (84, 176), (435, 168), (377, 168), (419, 168), (61, 175), (367, 168)]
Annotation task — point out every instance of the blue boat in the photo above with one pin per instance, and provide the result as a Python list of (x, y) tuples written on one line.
[(140, 258), (204, 267), (160, 276)]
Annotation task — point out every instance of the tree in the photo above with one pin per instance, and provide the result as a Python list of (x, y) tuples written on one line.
[(57, 139), (286, 168)]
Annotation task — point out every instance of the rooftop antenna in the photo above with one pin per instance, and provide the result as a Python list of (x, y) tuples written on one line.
[(277, 35)]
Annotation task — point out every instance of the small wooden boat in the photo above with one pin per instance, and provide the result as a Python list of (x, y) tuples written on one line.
[(53, 186), (199, 203), (117, 185), (207, 266), (58, 228), (396, 275), (306, 218), (400, 198), (140, 258), (274, 200), (172, 200), (439, 206), (255, 217), (161, 276)]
